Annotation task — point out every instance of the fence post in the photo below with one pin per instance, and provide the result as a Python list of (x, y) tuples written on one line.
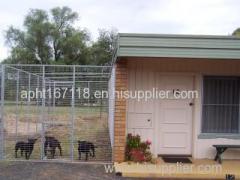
[(37, 100), (53, 96), (2, 113), (28, 105), (73, 115), (42, 112), (17, 108)]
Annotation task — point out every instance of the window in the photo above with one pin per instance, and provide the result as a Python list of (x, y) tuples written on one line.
[(220, 111)]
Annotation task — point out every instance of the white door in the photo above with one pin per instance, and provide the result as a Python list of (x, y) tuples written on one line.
[(174, 116)]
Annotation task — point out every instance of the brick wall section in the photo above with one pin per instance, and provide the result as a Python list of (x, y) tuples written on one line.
[(120, 113)]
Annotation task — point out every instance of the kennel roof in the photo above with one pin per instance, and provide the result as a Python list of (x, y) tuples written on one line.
[(65, 73)]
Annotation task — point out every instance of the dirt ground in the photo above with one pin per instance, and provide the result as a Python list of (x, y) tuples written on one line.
[(53, 171), (22, 170)]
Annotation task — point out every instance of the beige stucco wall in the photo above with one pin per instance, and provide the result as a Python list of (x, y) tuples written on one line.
[(201, 148)]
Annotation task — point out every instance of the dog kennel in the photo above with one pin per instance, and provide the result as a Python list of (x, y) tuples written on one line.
[(67, 102)]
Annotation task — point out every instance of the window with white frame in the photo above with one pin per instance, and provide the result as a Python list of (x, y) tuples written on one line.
[(220, 107)]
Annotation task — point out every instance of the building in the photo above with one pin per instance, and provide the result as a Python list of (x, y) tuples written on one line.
[(207, 65)]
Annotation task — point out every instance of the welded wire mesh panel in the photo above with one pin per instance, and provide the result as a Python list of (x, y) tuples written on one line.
[(58, 119), (59, 73), (1, 113), (63, 107), (31, 68), (21, 112), (91, 119)]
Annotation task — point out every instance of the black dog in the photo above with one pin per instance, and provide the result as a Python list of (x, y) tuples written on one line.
[(26, 147), (52, 143), (86, 147)]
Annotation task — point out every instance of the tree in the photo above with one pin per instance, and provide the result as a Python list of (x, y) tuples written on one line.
[(47, 40), (51, 38), (102, 50), (74, 47), (69, 44), (30, 45), (237, 32)]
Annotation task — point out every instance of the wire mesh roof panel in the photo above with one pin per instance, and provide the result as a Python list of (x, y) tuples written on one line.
[(65, 72)]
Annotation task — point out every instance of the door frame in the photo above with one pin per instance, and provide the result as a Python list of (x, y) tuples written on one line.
[(156, 114)]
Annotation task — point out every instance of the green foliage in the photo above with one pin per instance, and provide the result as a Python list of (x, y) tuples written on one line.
[(31, 45), (51, 38), (102, 50), (136, 150), (237, 32), (133, 141)]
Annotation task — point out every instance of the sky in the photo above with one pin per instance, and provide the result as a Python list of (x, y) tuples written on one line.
[(211, 17)]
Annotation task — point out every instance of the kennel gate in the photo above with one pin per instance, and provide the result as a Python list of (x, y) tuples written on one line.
[(43, 111)]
